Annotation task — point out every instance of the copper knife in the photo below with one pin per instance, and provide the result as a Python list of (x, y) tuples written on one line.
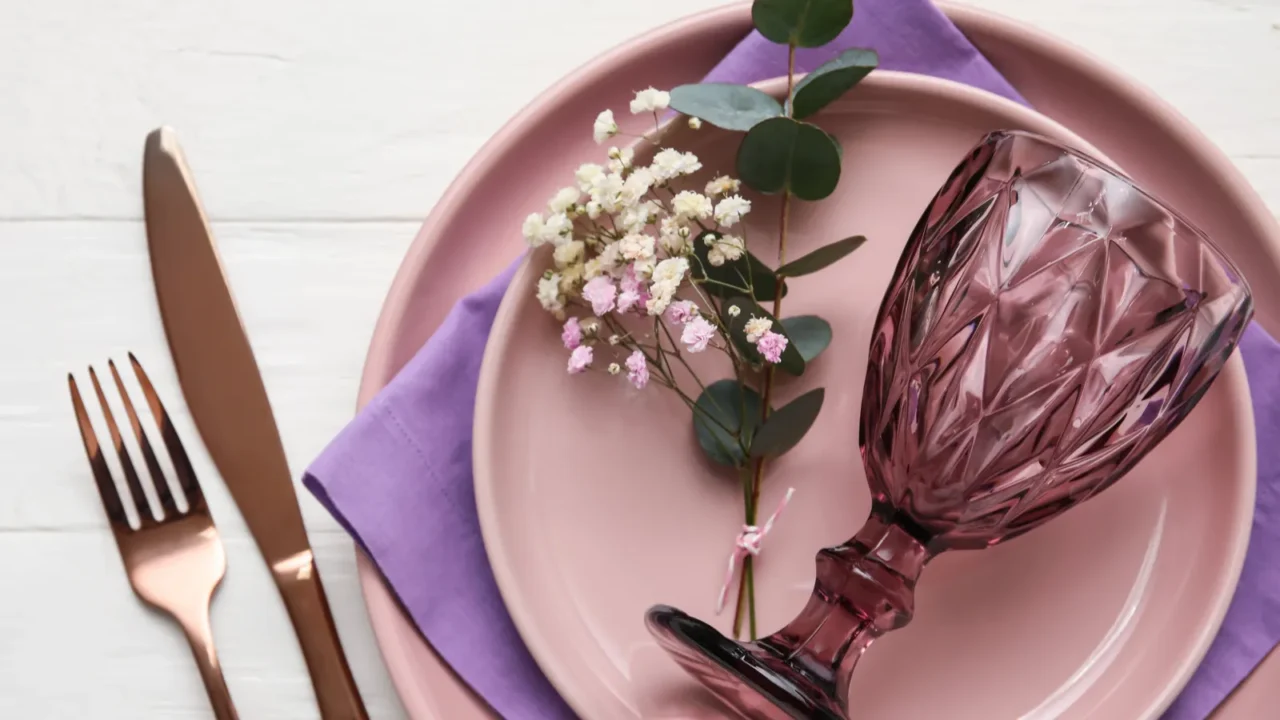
[(228, 401)]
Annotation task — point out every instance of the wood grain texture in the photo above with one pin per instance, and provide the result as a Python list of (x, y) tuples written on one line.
[(321, 133)]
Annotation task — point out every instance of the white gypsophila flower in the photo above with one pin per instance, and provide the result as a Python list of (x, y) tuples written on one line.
[(636, 246), (586, 175), (571, 279), (722, 185), (534, 230), (669, 164), (755, 327), (614, 368), (549, 294), (734, 311), (620, 160), (689, 205), (569, 253), (557, 229), (650, 100), (606, 192), (671, 271), (593, 269), (731, 209), (614, 339), (715, 258), (593, 209), (564, 200), (636, 185), (609, 258), (643, 268), (590, 326), (695, 123), (605, 126), (731, 247), (674, 243), (635, 217)]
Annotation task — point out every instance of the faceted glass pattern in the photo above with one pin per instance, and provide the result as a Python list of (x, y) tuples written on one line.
[(1048, 324)]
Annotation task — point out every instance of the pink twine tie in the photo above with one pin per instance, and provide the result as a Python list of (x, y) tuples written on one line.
[(749, 543)]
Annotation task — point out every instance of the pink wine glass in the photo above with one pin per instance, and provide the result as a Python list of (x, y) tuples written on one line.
[(1048, 324)]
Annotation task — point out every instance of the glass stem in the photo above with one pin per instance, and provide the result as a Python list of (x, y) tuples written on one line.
[(864, 588)]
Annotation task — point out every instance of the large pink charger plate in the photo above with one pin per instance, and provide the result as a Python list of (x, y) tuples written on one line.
[(596, 502), (464, 243)]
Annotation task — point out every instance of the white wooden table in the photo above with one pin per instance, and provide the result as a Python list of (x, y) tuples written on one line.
[(321, 132)]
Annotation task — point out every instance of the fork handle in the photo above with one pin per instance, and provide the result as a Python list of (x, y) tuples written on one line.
[(200, 635)]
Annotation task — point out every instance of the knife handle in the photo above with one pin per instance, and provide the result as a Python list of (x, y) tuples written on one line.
[(304, 598)]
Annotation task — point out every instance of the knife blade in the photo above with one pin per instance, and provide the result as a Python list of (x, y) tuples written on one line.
[(228, 401)]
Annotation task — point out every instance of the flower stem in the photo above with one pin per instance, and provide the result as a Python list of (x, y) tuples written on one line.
[(748, 566)]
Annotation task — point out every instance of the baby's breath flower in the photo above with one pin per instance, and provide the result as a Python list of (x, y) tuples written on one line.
[(731, 209), (689, 205), (650, 100), (568, 253), (593, 209), (771, 345), (614, 339), (673, 243), (620, 160), (557, 229), (636, 185), (549, 295), (605, 126), (533, 230), (564, 200), (636, 246), (601, 293), (570, 279), (734, 311), (697, 334), (590, 327), (580, 359), (609, 257), (638, 370), (614, 368), (669, 164), (634, 218), (571, 334), (606, 191), (755, 327), (586, 175), (724, 248), (722, 185), (666, 279), (695, 123)]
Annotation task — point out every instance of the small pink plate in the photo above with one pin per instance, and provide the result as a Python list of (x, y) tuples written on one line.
[(596, 502), (467, 238)]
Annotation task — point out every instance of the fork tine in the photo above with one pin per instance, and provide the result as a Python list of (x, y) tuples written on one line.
[(181, 463), (148, 456), (145, 516), (116, 514)]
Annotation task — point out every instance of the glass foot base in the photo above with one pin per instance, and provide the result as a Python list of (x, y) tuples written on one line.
[(757, 680)]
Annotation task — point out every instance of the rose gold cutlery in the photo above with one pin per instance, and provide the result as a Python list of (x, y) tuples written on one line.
[(227, 399), (174, 561)]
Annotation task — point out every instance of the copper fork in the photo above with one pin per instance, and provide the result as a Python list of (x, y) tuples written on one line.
[(174, 560)]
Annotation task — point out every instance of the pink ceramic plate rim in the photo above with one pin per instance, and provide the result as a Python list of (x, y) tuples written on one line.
[(421, 680), (533, 625)]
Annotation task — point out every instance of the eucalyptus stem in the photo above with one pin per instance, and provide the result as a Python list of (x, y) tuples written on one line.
[(757, 478)]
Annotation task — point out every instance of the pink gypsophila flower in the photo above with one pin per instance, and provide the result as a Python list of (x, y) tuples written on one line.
[(580, 359), (682, 311), (697, 333), (638, 370), (634, 293), (571, 335), (600, 292), (771, 345)]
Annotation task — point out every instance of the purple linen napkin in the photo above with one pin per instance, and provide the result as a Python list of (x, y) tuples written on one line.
[(399, 476)]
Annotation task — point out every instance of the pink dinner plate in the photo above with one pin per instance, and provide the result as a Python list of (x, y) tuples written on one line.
[(596, 502), (467, 239)]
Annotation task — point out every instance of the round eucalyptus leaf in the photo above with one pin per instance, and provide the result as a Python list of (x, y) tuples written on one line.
[(723, 410), (803, 23), (781, 155), (831, 80), (809, 333), (728, 106)]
